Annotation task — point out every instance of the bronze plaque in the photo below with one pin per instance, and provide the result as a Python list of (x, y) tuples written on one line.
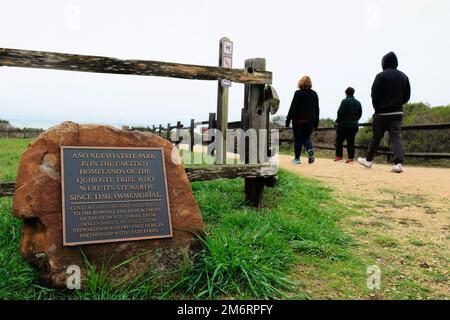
[(113, 194)]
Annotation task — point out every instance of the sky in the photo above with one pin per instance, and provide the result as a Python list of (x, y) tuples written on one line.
[(337, 43)]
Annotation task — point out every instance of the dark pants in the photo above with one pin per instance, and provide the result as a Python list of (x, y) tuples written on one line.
[(343, 134), (302, 136), (380, 125)]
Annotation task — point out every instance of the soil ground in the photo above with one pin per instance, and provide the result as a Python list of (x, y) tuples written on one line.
[(403, 225)]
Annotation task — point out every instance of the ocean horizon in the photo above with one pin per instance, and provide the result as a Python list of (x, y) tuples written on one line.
[(45, 124)]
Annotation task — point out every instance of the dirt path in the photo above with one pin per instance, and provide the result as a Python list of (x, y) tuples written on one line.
[(404, 220)]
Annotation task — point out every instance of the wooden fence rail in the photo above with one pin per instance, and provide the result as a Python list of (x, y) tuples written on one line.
[(6, 189), (97, 64), (195, 173), (381, 150), (384, 150), (409, 127), (20, 133)]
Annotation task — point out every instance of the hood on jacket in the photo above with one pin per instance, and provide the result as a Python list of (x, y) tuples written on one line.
[(389, 61)]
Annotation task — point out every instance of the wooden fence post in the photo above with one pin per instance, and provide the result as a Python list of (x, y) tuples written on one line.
[(168, 132), (243, 156), (222, 110), (254, 117), (179, 126), (192, 133), (212, 120), (212, 125)]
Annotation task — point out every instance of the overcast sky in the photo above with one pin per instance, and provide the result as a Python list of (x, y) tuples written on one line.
[(337, 43)]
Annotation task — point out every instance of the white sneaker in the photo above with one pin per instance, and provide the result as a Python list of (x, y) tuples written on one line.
[(398, 168), (365, 163)]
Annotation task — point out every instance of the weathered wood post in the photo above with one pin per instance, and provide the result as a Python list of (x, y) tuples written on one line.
[(212, 120), (178, 133), (211, 125), (192, 133), (168, 132), (243, 156), (222, 100), (254, 117)]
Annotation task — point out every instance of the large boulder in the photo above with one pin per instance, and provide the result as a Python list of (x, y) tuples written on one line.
[(37, 201)]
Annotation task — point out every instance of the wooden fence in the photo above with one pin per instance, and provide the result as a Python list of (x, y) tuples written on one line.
[(384, 150), (20, 133), (259, 100), (166, 131)]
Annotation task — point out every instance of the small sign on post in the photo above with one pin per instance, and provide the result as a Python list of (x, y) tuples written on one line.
[(225, 61), (226, 58)]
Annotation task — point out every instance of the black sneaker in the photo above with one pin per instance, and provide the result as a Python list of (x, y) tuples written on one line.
[(311, 158)]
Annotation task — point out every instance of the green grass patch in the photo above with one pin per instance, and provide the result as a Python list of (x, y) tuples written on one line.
[(247, 252), (10, 151), (402, 200), (417, 242), (17, 279), (386, 241)]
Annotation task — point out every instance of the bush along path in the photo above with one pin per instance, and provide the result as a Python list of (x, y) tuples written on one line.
[(401, 225)]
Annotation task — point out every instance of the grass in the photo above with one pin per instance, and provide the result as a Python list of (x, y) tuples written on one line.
[(413, 264), (293, 248), (257, 249), (386, 241), (246, 253), (10, 151), (417, 242)]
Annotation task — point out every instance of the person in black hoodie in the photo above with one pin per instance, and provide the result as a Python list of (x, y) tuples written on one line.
[(347, 125), (304, 114), (390, 91)]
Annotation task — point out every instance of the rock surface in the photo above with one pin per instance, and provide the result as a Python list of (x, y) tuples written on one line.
[(37, 201)]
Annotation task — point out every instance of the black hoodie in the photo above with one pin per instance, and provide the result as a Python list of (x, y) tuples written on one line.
[(391, 88)]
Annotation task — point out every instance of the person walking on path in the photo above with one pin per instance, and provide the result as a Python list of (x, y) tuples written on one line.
[(390, 91), (347, 125), (304, 114)]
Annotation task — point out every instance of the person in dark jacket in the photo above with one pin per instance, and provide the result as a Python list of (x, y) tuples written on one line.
[(347, 124), (304, 114), (390, 91)]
